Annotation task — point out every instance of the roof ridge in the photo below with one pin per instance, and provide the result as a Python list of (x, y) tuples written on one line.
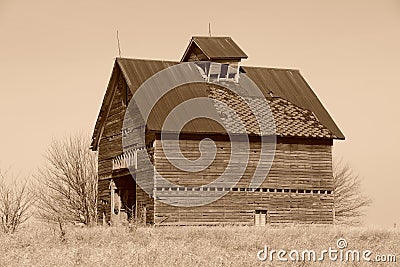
[(269, 68), (144, 59), (211, 37)]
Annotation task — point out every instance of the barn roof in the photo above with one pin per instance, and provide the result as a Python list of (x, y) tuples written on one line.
[(215, 48), (289, 84), (287, 120), (296, 108)]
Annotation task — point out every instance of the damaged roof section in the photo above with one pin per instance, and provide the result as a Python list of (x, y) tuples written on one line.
[(284, 118)]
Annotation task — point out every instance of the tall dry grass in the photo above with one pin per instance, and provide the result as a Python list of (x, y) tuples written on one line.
[(40, 245)]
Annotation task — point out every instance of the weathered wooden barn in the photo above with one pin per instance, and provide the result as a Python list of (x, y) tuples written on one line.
[(299, 185)]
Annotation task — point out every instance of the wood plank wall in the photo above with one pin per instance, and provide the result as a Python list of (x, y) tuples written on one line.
[(110, 146), (304, 171)]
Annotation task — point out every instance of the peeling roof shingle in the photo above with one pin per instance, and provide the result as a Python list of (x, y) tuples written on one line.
[(290, 120)]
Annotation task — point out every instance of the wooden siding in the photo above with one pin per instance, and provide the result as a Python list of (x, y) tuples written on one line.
[(196, 55), (295, 166), (103, 201), (110, 146), (147, 202), (298, 188), (239, 208)]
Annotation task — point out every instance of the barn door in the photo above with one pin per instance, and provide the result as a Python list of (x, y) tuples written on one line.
[(260, 217)]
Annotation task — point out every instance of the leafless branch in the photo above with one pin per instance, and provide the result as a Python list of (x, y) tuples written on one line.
[(67, 190), (350, 202), (16, 200)]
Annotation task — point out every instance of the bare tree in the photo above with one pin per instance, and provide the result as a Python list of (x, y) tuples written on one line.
[(349, 200), (67, 183), (16, 200)]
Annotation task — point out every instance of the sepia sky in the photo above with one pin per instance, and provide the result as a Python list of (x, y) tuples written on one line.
[(56, 58)]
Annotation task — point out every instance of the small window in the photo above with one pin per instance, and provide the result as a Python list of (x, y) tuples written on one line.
[(224, 70), (260, 217)]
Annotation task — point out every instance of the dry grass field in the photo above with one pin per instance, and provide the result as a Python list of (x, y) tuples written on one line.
[(40, 245)]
